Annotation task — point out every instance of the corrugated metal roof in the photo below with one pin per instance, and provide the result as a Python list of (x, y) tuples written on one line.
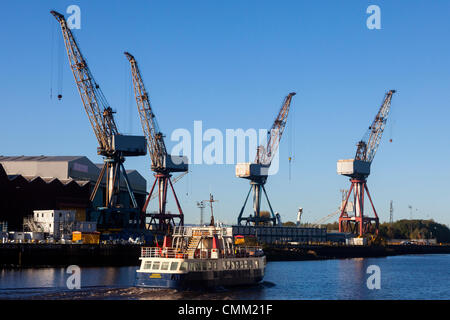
[(79, 168), (47, 180)]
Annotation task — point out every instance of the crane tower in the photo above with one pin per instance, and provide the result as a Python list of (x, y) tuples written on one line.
[(257, 172), (358, 169)]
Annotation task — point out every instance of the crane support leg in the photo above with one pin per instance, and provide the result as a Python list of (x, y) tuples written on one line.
[(144, 209), (274, 219), (256, 200), (97, 184), (243, 207), (178, 204), (358, 223), (127, 182)]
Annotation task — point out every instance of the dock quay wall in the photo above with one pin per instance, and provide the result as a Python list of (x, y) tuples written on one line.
[(319, 252), (41, 255)]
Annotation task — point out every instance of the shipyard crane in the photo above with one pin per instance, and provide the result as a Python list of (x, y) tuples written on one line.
[(358, 169), (113, 146), (258, 171), (162, 164)]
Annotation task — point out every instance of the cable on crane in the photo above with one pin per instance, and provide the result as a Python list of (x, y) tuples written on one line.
[(391, 125), (60, 69), (52, 48), (291, 141)]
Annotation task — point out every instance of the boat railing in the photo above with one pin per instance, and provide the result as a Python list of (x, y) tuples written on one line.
[(182, 231), (238, 252), (158, 252), (200, 231)]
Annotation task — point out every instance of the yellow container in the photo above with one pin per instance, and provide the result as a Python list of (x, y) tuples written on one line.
[(239, 239), (86, 237)]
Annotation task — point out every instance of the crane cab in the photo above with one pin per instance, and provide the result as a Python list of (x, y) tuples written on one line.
[(129, 145), (248, 170), (352, 167)]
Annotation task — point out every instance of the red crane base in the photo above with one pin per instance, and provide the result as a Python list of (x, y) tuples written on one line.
[(358, 223)]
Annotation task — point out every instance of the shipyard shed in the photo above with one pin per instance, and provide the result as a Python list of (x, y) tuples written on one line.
[(30, 183)]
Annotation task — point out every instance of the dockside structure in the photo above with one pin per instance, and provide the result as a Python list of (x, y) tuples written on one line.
[(270, 235)]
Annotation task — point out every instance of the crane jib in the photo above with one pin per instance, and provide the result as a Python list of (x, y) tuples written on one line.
[(368, 146), (92, 97), (265, 155)]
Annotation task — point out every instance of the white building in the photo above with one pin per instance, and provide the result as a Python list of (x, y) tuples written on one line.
[(61, 223), (57, 223)]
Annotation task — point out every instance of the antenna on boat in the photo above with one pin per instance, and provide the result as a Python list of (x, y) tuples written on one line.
[(211, 200)]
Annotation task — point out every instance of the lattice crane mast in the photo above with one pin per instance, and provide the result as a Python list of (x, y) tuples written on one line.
[(257, 172), (162, 163), (358, 169), (112, 145)]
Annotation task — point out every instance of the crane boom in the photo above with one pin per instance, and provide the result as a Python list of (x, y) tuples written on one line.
[(156, 147), (97, 108), (368, 146), (265, 156)]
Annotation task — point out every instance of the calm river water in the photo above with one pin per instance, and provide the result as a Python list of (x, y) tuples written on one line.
[(402, 277)]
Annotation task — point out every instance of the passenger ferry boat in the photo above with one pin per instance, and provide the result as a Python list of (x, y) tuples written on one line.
[(200, 257)]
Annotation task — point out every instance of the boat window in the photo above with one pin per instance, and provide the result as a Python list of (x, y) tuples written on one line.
[(241, 264), (198, 266), (148, 265), (250, 264), (174, 266), (214, 265), (245, 264), (256, 264), (165, 265), (191, 266), (184, 266), (204, 266), (233, 264), (156, 265), (209, 265)]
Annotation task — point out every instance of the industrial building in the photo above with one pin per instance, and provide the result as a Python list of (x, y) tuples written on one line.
[(29, 183)]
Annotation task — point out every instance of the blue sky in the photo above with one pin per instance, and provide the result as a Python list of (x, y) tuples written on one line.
[(230, 64)]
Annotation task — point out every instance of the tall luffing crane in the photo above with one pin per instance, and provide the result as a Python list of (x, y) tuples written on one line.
[(162, 164), (258, 171), (113, 146), (358, 169)]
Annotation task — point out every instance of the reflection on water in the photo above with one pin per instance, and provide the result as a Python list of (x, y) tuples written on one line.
[(402, 277)]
